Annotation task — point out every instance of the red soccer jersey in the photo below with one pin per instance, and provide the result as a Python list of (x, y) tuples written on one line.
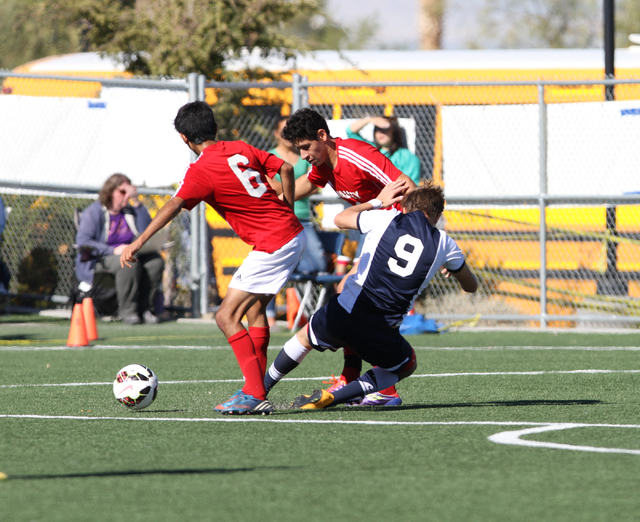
[(230, 176), (361, 171)]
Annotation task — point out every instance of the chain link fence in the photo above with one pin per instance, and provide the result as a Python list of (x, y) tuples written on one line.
[(542, 182)]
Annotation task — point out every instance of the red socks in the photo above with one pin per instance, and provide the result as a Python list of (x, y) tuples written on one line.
[(249, 362), (260, 336), (391, 390), (352, 365)]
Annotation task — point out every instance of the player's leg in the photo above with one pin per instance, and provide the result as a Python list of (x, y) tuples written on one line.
[(392, 356), (352, 362), (228, 318), (259, 328), (291, 355), (353, 365), (322, 333), (260, 276), (375, 379)]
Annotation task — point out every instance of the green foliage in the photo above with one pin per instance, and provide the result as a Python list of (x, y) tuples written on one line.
[(32, 29), (540, 24), (627, 21), (552, 23), (38, 272), (323, 31)]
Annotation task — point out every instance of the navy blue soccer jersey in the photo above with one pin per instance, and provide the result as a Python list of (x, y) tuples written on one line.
[(400, 255)]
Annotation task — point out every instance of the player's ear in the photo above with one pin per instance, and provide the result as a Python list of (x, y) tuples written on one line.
[(322, 135), (184, 138)]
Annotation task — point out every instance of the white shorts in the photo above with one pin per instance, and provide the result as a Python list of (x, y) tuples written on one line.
[(263, 273)]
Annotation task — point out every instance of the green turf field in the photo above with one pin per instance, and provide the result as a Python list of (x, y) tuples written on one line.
[(494, 426)]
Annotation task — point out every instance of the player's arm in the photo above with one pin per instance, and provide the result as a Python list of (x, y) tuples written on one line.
[(304, 188), (275, 184), (465, 277), (389, 195), (410, 184), (164, 216), (288, 183)]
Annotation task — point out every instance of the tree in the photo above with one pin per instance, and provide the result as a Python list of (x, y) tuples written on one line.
[(540, 24), (174, 37), (322, 31), (552, 23), (27, 32), (627, 21)]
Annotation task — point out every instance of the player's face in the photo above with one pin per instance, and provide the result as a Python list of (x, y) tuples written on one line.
[(314, 151), (311, 151)]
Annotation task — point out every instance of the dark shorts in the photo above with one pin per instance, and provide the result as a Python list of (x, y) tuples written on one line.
[(332, 327)]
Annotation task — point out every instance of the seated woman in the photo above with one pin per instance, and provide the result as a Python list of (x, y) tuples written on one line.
[(387, 136), (105, 228)]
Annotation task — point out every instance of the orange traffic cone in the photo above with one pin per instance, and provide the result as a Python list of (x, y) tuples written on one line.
[(89, 319), (78, 332), (293, 306)]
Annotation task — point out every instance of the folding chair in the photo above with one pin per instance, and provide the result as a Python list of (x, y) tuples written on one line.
[(313, 287)]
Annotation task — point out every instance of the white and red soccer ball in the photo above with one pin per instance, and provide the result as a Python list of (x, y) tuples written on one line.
[(136, 386)]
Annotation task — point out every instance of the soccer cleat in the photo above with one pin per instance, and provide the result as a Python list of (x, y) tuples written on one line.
[(234, 398), (317, 400), (380, 399), (336, 384), (243, 404)]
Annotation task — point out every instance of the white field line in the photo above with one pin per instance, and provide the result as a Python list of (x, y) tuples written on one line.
[(424, 375), (20, 348), (511, 438)]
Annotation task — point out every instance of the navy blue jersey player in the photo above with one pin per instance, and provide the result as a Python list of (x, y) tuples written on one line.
[(401, 254)]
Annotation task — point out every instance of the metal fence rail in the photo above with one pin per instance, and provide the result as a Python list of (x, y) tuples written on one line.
[(541, 179)]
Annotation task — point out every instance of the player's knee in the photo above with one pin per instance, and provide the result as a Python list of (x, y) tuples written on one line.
[(223, 319), (407, 371), (409, 367)]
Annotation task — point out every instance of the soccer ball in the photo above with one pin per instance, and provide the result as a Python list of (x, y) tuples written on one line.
[(136, 386)]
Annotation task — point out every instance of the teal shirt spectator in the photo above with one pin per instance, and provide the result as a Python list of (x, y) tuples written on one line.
[(403, 159), (301, 207)]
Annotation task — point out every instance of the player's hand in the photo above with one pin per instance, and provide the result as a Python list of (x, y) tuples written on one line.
[(392, 193), (445, 273), (118, 250), (128, 254)]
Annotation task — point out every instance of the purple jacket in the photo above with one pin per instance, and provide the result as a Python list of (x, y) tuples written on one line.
[(93, 231)]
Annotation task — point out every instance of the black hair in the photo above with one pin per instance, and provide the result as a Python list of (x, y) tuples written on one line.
[(429, 199), (396, 134), (304, 124), (196, 121)]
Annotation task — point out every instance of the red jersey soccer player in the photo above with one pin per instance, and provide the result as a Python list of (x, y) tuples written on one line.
[(357, 172), (231, 176)]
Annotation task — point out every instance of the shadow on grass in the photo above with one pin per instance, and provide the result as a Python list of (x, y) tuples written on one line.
[(133, 473), (543, 402), (17, 337)]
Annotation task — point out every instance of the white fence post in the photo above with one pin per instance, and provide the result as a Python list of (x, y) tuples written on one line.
[(543, 206)]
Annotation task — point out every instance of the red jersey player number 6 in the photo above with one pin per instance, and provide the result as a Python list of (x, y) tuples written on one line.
[(249, 178)]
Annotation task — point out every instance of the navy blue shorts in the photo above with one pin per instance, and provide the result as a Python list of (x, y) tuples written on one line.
[(332, 327)]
